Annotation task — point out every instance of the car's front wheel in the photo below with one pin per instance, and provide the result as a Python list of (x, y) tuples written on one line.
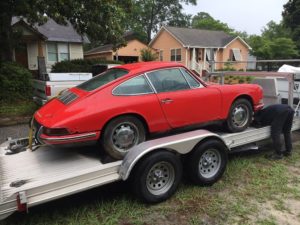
[(121, 134), (240, 115)]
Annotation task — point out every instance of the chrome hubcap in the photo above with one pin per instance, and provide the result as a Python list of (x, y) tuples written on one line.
[(125, 136), (240, 116), (209, 163), (160, 178)]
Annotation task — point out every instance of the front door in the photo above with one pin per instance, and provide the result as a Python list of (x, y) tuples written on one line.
[(184, 100), (21, 55)]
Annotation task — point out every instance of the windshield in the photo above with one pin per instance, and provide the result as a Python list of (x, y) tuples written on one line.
[(102, 79)]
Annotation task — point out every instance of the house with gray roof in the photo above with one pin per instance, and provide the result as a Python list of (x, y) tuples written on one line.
[(49, 42), (196, 48)]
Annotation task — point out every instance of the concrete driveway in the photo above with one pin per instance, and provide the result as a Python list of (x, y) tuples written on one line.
[(16, 131)]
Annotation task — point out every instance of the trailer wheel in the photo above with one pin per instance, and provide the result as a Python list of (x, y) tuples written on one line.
[(240, 115), (207, 163), (157, 176)]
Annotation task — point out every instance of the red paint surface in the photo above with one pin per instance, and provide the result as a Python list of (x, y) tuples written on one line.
[(92, 110)]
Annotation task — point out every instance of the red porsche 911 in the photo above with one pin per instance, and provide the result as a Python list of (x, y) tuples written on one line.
[(124, 105)]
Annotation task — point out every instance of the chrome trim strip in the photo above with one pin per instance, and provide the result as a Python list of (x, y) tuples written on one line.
[(38, 135), (77, 137)]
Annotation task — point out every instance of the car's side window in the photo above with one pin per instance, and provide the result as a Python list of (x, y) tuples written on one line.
[(168, 80), (192, 81), (135, 86)]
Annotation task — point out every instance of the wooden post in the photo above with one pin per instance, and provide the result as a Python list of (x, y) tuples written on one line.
[(40, 49)]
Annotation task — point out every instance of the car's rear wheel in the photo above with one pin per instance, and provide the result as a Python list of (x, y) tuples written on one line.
[(240, 115), (121, 134)]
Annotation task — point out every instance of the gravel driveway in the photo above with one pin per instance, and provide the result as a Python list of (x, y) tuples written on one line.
[(16, 131)]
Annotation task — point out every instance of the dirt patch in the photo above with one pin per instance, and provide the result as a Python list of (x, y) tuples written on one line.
[(284, 210)]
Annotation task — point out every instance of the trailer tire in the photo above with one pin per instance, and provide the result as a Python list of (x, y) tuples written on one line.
[(240, 115), (157, 176), (207, 163)]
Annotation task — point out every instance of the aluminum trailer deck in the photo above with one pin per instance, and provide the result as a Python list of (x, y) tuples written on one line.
[(32, 178)]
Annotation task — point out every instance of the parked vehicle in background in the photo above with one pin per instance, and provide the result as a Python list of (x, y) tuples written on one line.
[(125, 104), (51, 84)]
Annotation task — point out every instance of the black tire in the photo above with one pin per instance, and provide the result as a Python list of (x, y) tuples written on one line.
[(207, 163), (157, 176), (121, 134), (239, 116)]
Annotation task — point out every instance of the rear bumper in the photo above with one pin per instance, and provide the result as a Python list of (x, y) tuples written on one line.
[(69, 139)]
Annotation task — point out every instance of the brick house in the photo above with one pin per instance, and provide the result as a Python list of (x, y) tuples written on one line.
[(195, 48)]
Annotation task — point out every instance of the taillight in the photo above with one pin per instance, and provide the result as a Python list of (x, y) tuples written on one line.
[(48, 90), (55, 131)]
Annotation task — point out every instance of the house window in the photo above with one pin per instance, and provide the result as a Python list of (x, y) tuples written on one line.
[(63, 49), (236, 55), (52, 52), (161, 55), (58, 52), (176, 54)]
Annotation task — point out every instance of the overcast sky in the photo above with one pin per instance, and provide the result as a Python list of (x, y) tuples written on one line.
[(242, 15)]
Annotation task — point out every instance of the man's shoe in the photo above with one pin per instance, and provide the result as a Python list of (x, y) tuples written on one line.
[(274, 156), (287, 153)]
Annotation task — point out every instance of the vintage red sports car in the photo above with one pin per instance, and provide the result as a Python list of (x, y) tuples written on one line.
[(124, 105)]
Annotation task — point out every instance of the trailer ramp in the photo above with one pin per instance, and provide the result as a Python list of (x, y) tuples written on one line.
[(47, 174)]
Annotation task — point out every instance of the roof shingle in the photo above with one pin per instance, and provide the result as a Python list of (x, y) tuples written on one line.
[(200, 38), (56, 32)]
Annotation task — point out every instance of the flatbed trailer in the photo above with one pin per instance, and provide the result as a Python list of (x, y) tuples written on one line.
[(30, 178)]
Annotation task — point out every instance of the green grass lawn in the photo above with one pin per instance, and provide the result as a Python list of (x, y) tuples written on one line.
[(24, 108), (249, 186)]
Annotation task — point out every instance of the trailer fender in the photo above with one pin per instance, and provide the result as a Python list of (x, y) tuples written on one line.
[(180, 143)]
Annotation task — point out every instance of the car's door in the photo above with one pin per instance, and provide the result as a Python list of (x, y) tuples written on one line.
[(184, 99)]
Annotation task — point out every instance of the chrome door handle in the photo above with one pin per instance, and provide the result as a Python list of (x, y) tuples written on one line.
[(166, 100)]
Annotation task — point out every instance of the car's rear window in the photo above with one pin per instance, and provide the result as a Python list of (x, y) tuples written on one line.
[(102, 79)]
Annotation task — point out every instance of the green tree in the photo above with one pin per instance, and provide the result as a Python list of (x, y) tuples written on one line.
[(277, 48), (283, 48), (101, 20), (148, 15), (273, 30), (291, 19), (260, 47), (204, 21)]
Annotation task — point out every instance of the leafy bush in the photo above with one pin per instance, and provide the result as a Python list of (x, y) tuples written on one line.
[(79, 65), (147, 55), (15, 83)]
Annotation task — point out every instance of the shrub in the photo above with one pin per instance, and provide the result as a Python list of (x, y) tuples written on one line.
[(147, 55), (15, 83), (79, 65)]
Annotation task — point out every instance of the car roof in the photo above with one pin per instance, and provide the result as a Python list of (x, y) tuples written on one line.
[(146, 66)]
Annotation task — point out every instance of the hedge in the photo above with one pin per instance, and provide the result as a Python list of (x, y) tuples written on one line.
[(15, 83), (79, 65)]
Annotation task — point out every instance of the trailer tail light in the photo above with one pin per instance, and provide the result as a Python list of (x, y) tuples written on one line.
[(48, 90), (55, 131), (22, 202)]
